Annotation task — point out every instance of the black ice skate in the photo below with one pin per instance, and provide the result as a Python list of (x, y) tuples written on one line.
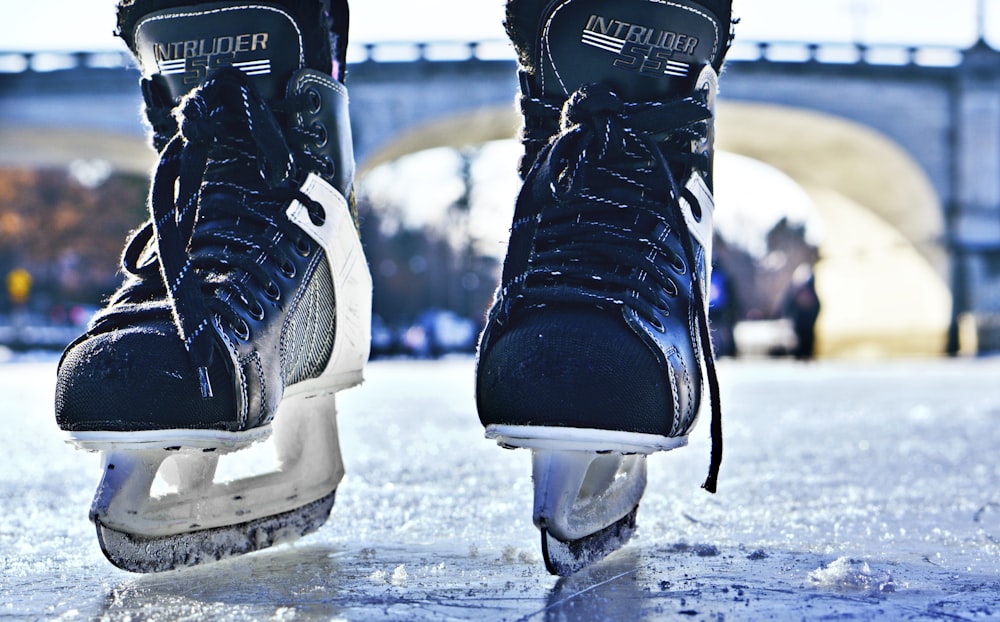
[(597, 345), (246, 304)]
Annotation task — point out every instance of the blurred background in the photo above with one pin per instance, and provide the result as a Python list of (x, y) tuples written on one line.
[(857, 173)]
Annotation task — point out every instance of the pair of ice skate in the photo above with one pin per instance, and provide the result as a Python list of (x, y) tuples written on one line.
[(246, 303)]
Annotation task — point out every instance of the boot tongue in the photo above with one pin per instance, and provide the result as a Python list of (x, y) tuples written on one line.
[(179, 47), (642, 49)]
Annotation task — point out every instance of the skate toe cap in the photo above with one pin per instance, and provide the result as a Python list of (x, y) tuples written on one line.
[(137, 379), (574, 368)]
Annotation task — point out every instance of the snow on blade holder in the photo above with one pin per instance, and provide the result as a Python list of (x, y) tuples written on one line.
[(566, 558), (200, 520), (141, 554)]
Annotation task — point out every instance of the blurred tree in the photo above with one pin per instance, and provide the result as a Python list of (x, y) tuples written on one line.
[(67, 235), (415, 269)]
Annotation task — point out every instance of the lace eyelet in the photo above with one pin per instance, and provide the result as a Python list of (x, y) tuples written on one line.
[(256, 311), (317, 215), (329, 168), (695, 210), (242, 330), (671, 289), (303, 247), (272, 292), (315, 100), (288, 270), (679, 266), (320, 129)]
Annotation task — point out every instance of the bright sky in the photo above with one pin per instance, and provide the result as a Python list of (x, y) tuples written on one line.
[(87, 24)]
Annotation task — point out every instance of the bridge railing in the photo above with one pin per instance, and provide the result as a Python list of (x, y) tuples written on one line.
[(408, 51), (845, 53), (45, 61), (455, 51)]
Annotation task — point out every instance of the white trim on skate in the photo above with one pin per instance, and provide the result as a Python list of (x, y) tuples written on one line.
[(702, 228), (581, 439), (352, 286), (220, 440)]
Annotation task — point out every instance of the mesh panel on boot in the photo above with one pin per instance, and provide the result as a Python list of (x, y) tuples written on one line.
[(307, 338)]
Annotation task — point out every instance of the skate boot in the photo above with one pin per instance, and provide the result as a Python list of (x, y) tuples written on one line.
[(247, 299), (597, 345)]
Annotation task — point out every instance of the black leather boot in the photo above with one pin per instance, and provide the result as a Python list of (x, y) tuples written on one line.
[(598, 340), (247, 296)]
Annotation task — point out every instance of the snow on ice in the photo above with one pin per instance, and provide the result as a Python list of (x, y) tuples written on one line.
[(862, 490)]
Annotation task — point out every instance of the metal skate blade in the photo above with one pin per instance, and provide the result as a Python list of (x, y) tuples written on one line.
[(566, 558), (137, 553)]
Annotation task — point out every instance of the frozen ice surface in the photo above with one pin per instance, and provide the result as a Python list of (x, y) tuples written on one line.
[(849, 491)]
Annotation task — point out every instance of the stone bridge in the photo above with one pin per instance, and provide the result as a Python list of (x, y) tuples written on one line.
[(905, 139)]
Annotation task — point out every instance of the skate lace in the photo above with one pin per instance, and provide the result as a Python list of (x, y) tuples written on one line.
[(603, 207), (217, 233)]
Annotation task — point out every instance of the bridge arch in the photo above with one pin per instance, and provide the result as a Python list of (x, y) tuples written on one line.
[(58, 147), (883, 268), (943, 112), (458, 130), (819, 150)]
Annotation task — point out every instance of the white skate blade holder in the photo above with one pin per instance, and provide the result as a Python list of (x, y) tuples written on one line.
[(197, 519), (587, 487)]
